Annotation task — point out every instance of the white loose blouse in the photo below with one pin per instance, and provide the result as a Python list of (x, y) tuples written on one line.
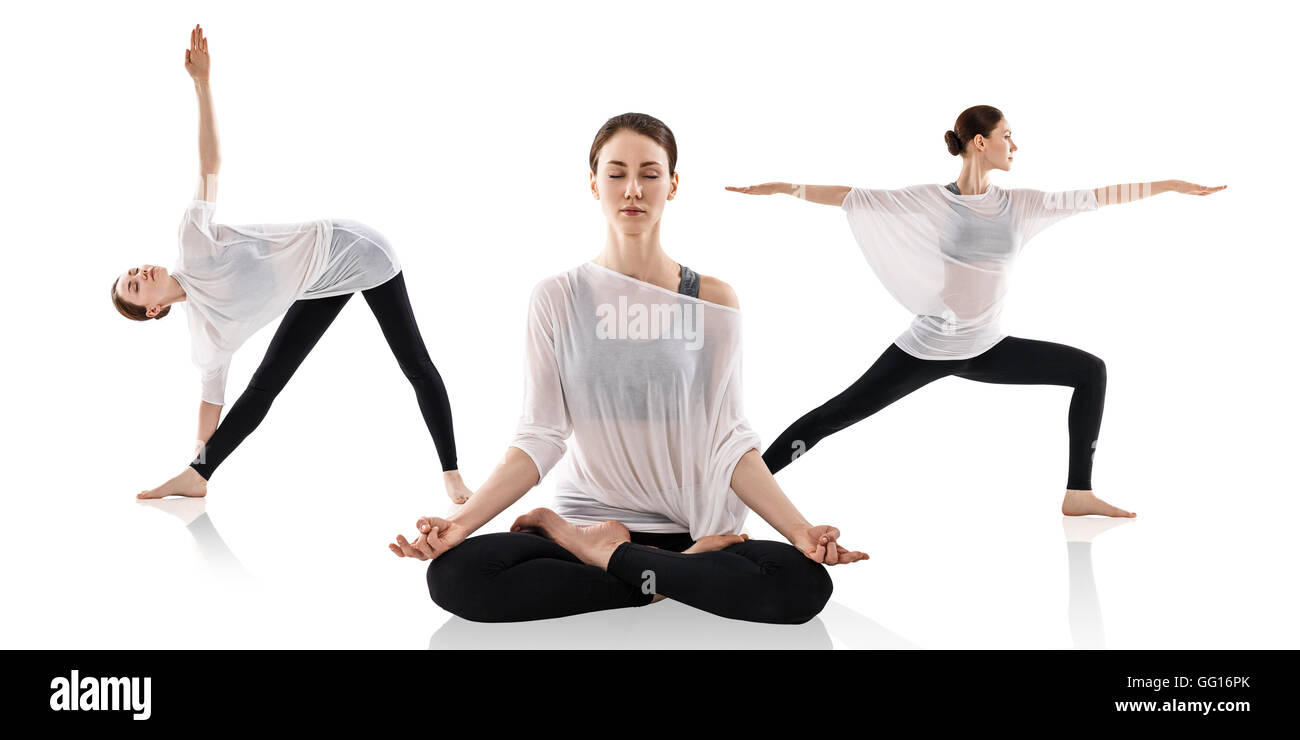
[(238, 278), (647, 382), (946, 257)]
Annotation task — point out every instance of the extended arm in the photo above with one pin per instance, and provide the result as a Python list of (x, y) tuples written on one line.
[(829, 195), (197, 63), (1131, 191), (514, 476), (755, 486)]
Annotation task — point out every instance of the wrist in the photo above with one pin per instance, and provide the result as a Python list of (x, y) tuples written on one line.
[(791, 530)]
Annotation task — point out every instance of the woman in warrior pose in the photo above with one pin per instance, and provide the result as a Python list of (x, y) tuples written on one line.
[(233, 280), (944, 252), (638, 358)]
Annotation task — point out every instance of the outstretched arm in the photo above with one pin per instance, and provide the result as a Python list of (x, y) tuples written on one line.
[(197, 63), (829, 195), (1131, 191), (754, 485)]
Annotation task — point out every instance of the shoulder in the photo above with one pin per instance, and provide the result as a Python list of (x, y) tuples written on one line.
[(718, 291), (552, 292)]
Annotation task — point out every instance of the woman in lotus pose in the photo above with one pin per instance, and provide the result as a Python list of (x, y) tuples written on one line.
[(638, 358), (944, 252), (233, 280)]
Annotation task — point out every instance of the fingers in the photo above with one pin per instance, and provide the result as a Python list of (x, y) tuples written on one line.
[(425, 523), (851, 556), (422, 545), (817, 553), (407, 549)]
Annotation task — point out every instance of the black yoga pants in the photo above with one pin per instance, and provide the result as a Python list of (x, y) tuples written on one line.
[(302, 325), (1012, 360), (520, 576)]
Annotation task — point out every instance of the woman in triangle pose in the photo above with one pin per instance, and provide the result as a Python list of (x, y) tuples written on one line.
[(233, 280), (944, 252)]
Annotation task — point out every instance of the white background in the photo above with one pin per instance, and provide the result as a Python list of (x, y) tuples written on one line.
[(462, 132)]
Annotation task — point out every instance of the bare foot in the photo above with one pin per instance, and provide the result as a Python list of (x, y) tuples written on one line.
[(544, 522), (595, 543), (457, 491), (592, 543), (188, 483), (1081, 503)]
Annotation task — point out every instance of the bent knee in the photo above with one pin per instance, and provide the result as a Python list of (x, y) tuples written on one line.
[(800, 588), (1093, 370)]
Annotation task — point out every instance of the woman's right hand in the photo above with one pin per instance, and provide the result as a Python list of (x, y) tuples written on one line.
[(196, 57), (437, 535), (767, 188)]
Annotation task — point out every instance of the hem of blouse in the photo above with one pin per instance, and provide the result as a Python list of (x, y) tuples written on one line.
[(640, 526), (662, 289), (943, 359)]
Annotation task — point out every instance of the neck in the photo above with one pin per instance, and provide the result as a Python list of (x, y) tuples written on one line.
[(639, 256), (974, 177), (175, 293)]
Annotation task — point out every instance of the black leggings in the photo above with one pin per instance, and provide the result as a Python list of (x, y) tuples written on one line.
[(519, 576), (1012, 360), (302, 325)]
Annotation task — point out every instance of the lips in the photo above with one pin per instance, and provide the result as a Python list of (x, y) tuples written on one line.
[(632, 210)]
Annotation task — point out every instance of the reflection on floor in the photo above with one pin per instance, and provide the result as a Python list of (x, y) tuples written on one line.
[(670, 624), (212, 549)]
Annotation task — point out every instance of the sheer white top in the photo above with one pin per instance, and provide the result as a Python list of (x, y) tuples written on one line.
[(647, 382), (946, 257)]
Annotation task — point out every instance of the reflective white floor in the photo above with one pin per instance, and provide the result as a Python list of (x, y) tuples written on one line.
[(231, 572)]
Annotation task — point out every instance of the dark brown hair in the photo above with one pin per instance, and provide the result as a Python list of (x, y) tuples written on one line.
[(978, 119), (132, 311), (643, 124)]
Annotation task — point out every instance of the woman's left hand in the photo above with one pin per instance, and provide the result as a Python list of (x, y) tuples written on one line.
[(1190, 188), (196, 57), (821, 544)]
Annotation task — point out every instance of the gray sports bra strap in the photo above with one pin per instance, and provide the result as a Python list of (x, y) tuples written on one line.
[(953, 187), (690, 283)]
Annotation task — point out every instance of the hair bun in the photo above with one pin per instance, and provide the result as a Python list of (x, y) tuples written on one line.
[(954, 142)]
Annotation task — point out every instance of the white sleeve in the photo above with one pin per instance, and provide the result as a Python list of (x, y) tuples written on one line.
[(214, 383), (544, 423), (1035, 210), (195, 231)]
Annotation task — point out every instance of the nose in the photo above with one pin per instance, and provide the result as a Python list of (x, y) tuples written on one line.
[(633, 188)]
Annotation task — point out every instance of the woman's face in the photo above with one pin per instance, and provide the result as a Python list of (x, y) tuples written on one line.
[(144, 286), (632, 182), (998, 147)]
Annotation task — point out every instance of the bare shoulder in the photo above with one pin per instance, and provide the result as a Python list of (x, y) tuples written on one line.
[(714, 290)]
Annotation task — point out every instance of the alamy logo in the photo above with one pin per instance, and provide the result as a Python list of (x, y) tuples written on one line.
[(90, 694), (651, 321)]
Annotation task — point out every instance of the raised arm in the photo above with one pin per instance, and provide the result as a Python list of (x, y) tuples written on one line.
[(197, 63), (1131, 191), (828, 195)]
